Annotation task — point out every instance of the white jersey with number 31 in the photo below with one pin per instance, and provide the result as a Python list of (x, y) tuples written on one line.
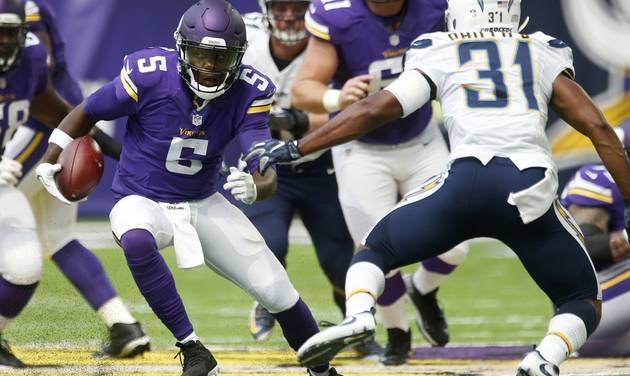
[(494, 89)]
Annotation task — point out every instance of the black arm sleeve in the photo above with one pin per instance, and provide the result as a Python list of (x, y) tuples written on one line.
[(597, 245), (110, 147)]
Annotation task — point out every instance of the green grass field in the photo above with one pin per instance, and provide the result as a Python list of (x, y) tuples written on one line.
[(489, 299)]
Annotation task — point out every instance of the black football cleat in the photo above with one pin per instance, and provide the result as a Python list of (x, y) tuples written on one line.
[(398, 347), (198, 360), (429, 317), (7, 358), (368, 350), (125, 341)]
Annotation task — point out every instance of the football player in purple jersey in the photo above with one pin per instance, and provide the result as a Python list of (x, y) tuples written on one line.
[(597, 206), (55, 220), (25, 90), (183, 107), (357, 46)]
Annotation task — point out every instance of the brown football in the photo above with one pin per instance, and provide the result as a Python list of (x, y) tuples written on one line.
[(82, 168)]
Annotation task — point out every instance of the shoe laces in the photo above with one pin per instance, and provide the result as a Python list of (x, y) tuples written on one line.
[(193, 355)]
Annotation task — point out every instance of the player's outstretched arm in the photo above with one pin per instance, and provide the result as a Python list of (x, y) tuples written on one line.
[(311, 81), (356, 120), (575, 107)]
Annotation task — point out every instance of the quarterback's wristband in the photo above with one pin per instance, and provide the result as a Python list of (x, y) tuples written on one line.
[(60, 138), (330, 100)]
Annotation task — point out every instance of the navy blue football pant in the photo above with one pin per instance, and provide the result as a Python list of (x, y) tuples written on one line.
[(472, 202), (310, 190)]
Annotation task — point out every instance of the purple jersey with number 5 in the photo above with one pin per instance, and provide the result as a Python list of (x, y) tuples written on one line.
[(174, 142), (365, 45), (19, 86), (593, 186)]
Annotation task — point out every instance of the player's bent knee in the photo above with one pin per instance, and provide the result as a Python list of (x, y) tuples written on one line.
[(276, 295), (22, 261), (586, 310), (367, 255), (136, 212)]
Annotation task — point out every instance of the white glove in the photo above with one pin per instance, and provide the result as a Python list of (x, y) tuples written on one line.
[(241, 185), (10, 172), (46, 175)]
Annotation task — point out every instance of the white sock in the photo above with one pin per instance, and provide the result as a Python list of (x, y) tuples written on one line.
[(393, 315), (4, 322), (567, 333), (191, 337), (114, 311), (364, 283), (426, 281)]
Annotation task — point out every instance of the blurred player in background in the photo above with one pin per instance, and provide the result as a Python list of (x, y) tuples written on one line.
[(359, 47), (183, 107), (308, 187), (495, 86), (597, 206), (25, 90), (55, 220)]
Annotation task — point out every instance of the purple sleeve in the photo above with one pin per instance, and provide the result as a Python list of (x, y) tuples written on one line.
[(109, 103), (317, 22)]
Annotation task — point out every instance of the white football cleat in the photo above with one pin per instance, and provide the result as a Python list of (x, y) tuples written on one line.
[(323, 346), (533, 364)]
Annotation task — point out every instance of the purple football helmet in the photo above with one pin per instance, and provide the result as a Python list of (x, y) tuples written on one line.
[(211, 42), (12, 34)]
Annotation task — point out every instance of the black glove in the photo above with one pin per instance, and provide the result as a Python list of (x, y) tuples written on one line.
[(290, 120), (271, 152)]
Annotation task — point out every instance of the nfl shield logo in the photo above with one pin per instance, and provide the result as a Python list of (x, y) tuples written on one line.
[(197, 120)]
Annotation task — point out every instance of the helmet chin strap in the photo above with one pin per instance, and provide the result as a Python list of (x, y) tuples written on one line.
[(204, 92)]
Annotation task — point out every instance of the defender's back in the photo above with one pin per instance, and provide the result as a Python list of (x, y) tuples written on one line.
[(494, 88)]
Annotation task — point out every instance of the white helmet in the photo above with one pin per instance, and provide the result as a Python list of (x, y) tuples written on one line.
[(484, 15)]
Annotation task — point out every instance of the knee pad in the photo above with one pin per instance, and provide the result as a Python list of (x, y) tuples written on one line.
[(456, 255), (275, 292), (138, 244), (21, 256)]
